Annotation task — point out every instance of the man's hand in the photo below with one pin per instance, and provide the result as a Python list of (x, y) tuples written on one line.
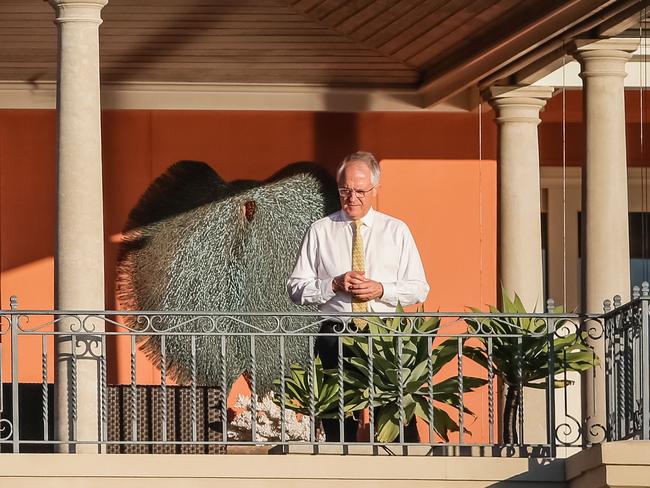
[(347, 281), (367, 290), (356, 284)]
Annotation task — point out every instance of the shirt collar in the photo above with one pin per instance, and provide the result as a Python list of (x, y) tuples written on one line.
[(366, 220)]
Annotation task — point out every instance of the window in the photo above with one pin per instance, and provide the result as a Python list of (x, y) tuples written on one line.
[(639, 247), (639, 228)]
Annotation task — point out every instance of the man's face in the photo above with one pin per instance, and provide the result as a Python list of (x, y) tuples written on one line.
[(356, 176)]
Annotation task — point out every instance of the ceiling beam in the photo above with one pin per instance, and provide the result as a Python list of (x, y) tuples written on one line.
[(542, 67), (624, 20), (515, 46)]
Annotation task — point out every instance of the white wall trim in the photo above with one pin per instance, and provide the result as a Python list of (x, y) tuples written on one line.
[(212, 96), (551, 176)]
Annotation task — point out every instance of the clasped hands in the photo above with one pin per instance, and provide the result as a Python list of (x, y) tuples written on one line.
[(356, 284)]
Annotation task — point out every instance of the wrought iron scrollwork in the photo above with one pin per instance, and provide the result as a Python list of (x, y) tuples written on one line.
[(6, 430), (568, 433)]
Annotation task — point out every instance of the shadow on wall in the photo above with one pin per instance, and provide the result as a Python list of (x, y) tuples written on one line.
[(336, 132), (149, 49), (541, 472), (335, 136)]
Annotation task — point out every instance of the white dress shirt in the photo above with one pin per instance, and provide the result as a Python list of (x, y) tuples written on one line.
[(391, 258)]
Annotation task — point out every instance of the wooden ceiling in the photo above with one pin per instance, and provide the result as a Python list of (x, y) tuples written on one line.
[(351, 43)]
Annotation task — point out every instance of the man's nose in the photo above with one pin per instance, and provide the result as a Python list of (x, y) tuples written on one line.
[(353, 196)]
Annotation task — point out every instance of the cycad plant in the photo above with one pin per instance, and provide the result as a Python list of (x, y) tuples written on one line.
[(403, 367), (520, 354)]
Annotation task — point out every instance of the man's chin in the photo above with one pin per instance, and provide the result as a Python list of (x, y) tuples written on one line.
[(353, 213)]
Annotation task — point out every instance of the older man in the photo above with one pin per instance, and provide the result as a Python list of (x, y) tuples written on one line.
[(356, 259)]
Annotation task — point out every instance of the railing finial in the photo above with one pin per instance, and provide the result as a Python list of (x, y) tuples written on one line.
[(617, 301), (550, 305), (13, 302), (636, 292), (607, 305), (645, 289)]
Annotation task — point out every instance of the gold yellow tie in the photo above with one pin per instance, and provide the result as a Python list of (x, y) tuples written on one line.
[(358, 264)]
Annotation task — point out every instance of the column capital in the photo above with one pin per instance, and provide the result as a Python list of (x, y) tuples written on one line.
[(625, 45), (518, 103), (605, 57), (78, 10)]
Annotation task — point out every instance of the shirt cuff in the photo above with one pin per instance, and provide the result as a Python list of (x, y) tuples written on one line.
[(390, 293), (326, 291)]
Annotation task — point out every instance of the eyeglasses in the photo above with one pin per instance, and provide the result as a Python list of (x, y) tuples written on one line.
[(361, 194)]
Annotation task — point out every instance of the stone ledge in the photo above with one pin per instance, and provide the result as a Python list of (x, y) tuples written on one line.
[(612, 464), (264, 469)]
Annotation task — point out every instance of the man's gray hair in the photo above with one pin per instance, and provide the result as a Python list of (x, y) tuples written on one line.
[(361, 157)]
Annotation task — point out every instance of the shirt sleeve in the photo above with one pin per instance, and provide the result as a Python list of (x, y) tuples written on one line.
[(411, 285), (304, 286)]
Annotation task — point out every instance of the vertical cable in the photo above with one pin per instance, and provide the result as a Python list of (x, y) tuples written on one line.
[(2, 149), (564, 244), (1, 158), (642, 82), (564, 264), (480, 198)]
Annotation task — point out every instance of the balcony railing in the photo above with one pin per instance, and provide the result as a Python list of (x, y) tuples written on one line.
[(478, 383), (627, 349)]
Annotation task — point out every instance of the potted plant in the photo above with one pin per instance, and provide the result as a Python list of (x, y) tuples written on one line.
[(520, 354), (412, 384)]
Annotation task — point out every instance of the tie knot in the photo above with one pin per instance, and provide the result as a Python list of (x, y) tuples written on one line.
[(357, 225)]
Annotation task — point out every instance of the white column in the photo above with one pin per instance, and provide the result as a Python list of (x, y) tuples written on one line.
[(606, 248), (79, 260), (519, 219)]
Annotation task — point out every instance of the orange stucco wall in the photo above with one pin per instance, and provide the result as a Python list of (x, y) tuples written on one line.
[(450, 207)]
